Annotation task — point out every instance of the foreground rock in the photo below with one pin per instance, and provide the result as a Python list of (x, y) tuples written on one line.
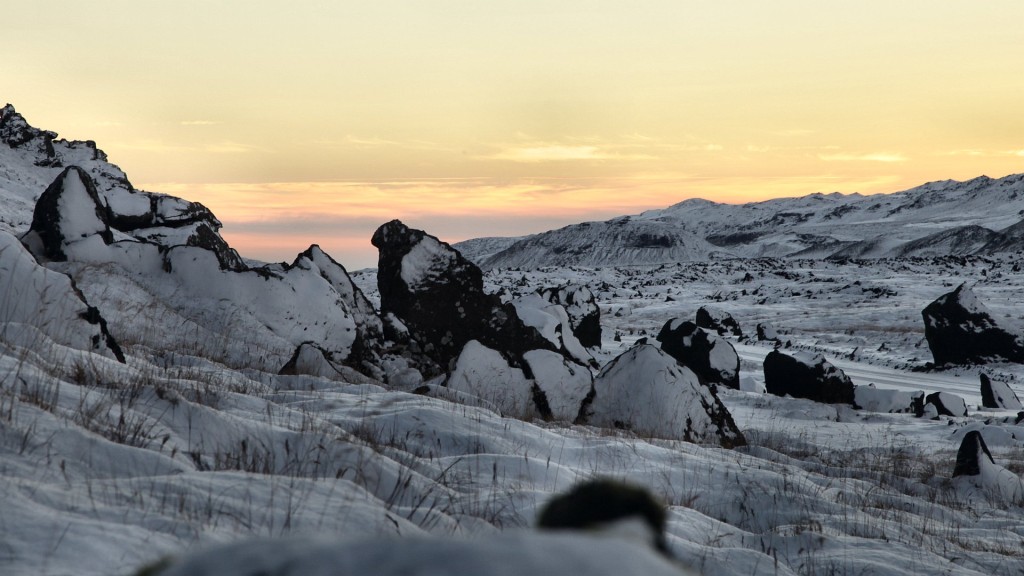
[(553, 322), (40, 304), (645, 390), (975, 466), (718, 320), (439, 297), (961, 330), (999, 395), (711, 357), (803, 375)]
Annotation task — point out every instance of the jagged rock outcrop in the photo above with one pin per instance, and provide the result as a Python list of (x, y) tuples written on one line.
[(803, 375), (718, 320), (999, 395), (68, 213), (584, 313), (947, 404), (645, 390), (41, 304), (712, 358), (438, 296), (961, 330), (553, 323)]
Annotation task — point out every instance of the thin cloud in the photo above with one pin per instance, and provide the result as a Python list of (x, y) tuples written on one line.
[(200, 122), (561, 153), (873, 157)]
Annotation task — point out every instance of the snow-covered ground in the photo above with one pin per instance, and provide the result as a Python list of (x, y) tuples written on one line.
[(107, 466)]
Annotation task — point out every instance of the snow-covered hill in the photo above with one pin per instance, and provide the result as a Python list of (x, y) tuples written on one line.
[(979, 216), (159, 397)]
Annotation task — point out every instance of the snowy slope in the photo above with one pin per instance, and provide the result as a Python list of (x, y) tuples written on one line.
[(939, 218)]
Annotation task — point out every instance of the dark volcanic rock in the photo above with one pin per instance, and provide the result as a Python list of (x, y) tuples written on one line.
[(960, 330), (968, 457), (438, 295), (69, 211), (947, 404), (767, 332), (995, 394), (711, 357), (584, 313), (718, 320), (807, 376)]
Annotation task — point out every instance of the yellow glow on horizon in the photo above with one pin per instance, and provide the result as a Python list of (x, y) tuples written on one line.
[(531, 113)]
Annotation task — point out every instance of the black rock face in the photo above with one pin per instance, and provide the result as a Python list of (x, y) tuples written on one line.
[(960, 330), (813, 378), (438, 295), (699, 351), (584, 313), (718, 320), (968, 457), (50, 221)]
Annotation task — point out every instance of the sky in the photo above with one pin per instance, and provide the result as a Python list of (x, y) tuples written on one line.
[(307, 121)]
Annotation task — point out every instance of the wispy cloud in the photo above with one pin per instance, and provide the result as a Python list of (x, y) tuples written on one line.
[(200, 122), (871, 157)]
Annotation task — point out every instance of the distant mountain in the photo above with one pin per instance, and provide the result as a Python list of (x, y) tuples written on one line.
[(978, 216)]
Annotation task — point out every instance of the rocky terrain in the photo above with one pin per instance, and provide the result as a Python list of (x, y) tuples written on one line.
[(159, 394)]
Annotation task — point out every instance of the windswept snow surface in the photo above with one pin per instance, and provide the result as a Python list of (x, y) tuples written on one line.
[(107, 466)]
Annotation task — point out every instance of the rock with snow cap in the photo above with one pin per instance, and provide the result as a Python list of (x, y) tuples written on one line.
[(552, 321), (438, 296), (766, 332), (961, 330), (718, 320), (803, 375), (947, 404), (645, 390), (41, 301), (584, 313), (999, 395), (888, 401), (710, 356), (68, 213), (976, 467)]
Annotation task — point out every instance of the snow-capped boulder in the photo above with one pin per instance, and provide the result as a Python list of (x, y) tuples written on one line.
[(975, 465), (710, 356), (961, 330), (888, 401), (486, 374), (553, 323), (718, 320), (996, 394), (645, 390), (564, 383), (438, 296), (311, 360), (37, 300), (803, 375), (947, 404), (584, 313), (765, 332), (69, 213)]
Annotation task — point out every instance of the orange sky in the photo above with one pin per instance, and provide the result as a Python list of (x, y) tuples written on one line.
[(310, 121)]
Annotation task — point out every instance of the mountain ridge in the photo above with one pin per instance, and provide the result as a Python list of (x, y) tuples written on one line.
[(982, 215)]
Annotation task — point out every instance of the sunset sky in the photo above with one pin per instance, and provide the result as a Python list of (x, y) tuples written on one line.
[(315, 121)]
